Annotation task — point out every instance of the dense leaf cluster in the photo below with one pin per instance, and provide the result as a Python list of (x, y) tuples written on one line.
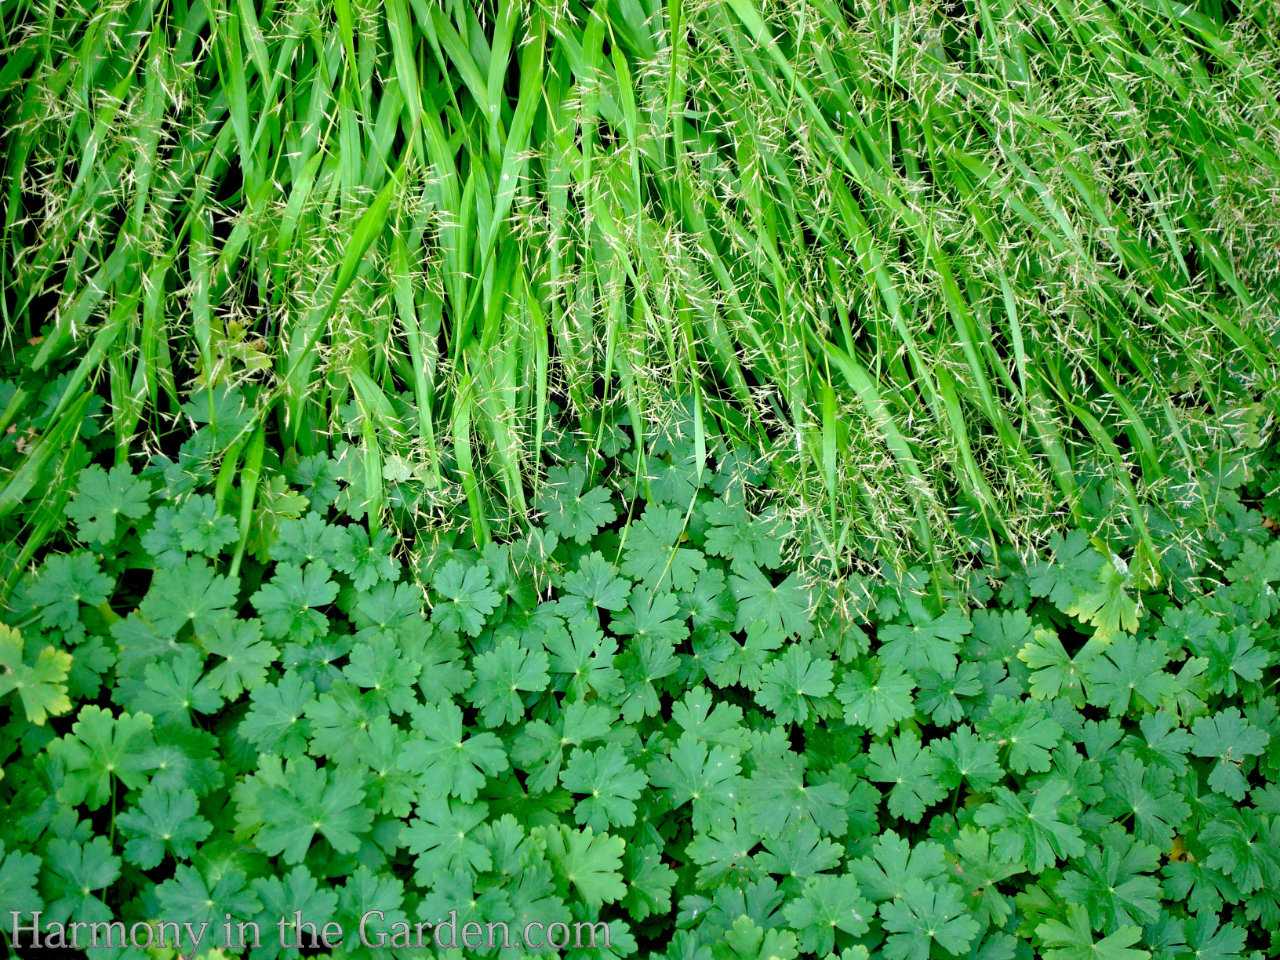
[(640, 712)]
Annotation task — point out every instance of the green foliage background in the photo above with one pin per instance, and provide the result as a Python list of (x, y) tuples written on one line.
[(942, 261), (789, 480)]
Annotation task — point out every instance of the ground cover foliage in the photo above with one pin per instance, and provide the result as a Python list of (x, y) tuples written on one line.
[(938, 258), (639, 712)]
